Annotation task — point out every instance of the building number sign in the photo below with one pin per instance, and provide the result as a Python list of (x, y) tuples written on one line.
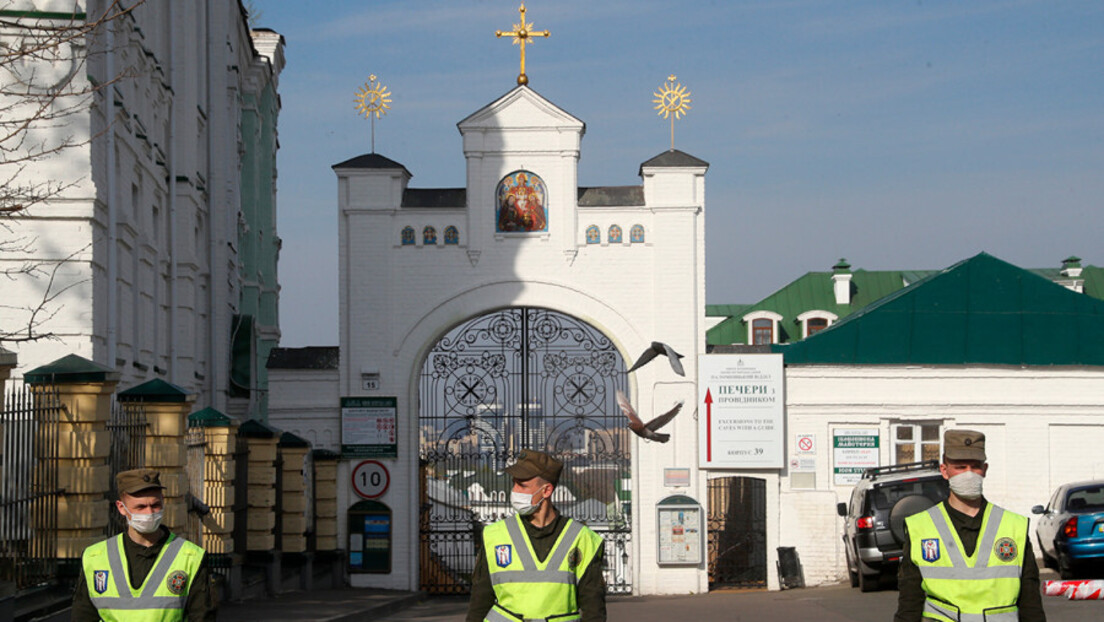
[(371, 479)]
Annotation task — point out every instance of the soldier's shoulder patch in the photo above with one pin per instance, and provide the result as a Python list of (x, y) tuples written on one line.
[(99, 581), (503, 555), (1005, 549), (929, 549), (177, 582)]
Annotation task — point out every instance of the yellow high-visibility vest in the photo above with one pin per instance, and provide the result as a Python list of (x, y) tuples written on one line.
[(983, 587), (161, 597), (526, 589)]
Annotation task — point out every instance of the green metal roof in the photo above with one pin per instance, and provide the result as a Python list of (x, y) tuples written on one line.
[(209, 418), (156, 390), (813, 291), (980, 311), (287, 439), (257, 429), (71, 369)]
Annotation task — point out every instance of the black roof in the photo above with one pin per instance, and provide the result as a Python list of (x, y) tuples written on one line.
[(370, 160), (673, 158), (435, 197), (310, 357), (611, 196)]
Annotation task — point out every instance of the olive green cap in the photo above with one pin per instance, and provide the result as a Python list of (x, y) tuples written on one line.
[(964, 445), (532, 463), (137, 480)]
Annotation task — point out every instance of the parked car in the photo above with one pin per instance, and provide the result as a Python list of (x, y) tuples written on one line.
[(875, 518), (1070, 529)]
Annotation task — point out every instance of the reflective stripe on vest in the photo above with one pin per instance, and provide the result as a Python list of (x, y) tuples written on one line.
[(529, 572), (528, 590), (980, 588), (498, 614), (154, 600)]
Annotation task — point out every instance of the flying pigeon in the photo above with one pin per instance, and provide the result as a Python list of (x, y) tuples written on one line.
[(647, 430), (655, 350)]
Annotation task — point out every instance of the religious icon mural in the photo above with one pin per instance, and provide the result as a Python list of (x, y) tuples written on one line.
[(522, 204)]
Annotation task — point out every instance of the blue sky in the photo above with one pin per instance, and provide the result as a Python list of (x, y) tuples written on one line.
[(900, 135)]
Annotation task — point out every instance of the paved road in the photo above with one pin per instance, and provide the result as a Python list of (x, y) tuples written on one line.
[(821, 604)]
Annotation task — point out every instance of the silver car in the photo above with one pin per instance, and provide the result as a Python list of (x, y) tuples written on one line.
[(1071, 528)]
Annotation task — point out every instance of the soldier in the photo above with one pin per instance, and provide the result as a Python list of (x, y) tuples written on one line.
[(965, 558), (562, 583), (148, 573)]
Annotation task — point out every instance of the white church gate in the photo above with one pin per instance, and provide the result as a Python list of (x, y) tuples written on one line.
[(520, 378), (737, 532)]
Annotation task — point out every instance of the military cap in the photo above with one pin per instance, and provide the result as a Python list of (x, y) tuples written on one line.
[(137, 480), (532, 463), (964, 445)]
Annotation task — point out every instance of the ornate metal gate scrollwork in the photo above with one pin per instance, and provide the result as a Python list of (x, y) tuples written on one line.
[(515, 379)]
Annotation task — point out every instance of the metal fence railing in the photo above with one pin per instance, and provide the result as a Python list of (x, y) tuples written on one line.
[(127, 426), (195, 443), (29, 491)]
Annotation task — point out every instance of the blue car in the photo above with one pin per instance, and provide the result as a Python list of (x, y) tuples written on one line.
[(1071, 529)]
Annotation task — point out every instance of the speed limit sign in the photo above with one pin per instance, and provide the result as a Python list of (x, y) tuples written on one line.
[(371, 479)]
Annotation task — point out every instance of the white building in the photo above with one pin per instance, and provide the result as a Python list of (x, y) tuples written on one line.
[(161, 241), (438, 287), (982, 345)]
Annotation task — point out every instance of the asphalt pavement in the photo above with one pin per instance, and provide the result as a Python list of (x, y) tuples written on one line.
[(833, 603)]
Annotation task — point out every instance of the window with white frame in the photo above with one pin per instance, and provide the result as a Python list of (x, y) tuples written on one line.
[(815, 321), (762, 327), (915, 442)]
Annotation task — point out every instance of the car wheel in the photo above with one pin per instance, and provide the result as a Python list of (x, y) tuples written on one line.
[(1066, 567), (868, 582), (853, 575)]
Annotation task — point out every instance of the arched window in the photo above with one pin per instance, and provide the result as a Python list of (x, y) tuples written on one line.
[(429, 236), (762, 331), (614, 234), (814, 321), (408, 236), (593, 236), (636, 234), (452, 235)]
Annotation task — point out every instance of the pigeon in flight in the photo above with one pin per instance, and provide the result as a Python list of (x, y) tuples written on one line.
[(655, 350), (647, 430)]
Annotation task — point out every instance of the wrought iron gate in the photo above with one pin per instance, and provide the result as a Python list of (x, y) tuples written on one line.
[(515, 379), (737, 532)]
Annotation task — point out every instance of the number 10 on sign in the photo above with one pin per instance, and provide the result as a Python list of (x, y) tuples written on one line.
[(371, 479)]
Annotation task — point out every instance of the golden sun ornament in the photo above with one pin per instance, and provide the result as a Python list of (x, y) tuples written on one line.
[(373, 100), (672, 100)]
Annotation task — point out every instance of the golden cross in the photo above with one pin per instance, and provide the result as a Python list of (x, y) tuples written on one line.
[(521, 34)]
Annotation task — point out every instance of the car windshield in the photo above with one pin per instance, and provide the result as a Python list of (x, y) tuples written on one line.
[(1087, 499), (887, 495)]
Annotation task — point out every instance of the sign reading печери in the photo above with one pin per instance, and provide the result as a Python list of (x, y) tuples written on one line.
[(741, 406)]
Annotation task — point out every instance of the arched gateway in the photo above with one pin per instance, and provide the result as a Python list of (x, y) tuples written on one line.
[(520, 378), (484, 321)]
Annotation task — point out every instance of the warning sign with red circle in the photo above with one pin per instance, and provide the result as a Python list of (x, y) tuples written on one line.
[(806, 443), (371, 479)]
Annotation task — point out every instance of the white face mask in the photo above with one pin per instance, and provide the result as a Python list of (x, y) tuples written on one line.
[(967, 485), (145, 523), (523, 503)]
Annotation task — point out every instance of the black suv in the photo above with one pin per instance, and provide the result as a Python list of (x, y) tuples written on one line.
[(875, 518)]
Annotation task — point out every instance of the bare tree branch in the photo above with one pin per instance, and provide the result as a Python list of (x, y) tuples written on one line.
[(47, 92)]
